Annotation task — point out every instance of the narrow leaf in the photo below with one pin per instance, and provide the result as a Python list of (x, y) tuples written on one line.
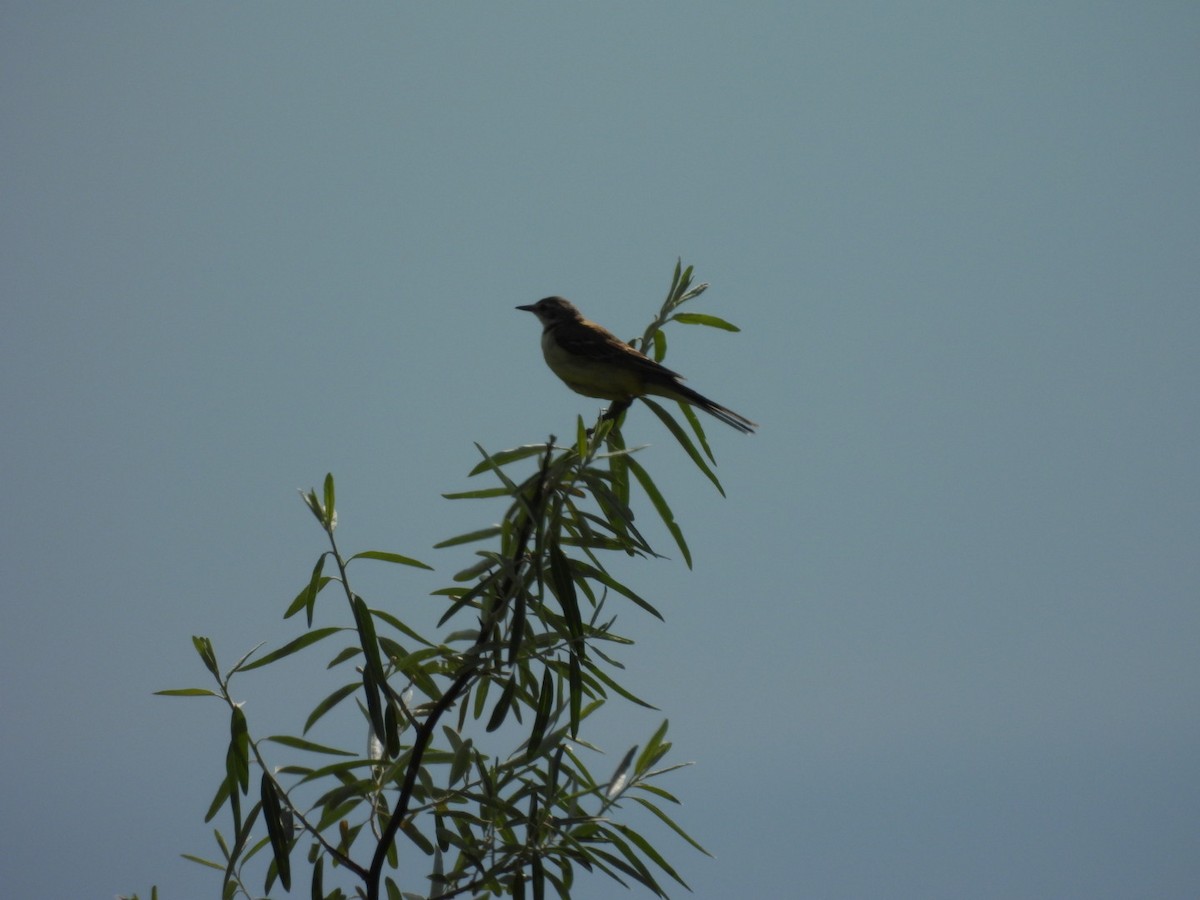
[(542, 719), (391, 725), (620, 777), (288, 740), (648, 755), (704, 319), (670, 823), (660, 346), (502, 705), (307, 597), (481, 494), (482, 534), (203, 862), (367, 638), (661, 507), (603, 676), (280, 838), (697, 429), (607, 580), (575, 686), (204, 647), (237, 760), (218, 800), (311, 501), (684, 441), (383, 556), (564, 589), (330, 520), (648, 849), (318, 879), (399, 626), (329, 703), (374, 706), (306, 639), (504, 457)]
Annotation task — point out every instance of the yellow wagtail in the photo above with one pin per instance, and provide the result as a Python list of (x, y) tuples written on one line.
[(593, 361)]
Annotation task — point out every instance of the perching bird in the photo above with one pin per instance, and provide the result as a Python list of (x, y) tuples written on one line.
[(593, 361)]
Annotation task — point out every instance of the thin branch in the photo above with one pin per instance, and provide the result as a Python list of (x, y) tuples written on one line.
[(471, 663)]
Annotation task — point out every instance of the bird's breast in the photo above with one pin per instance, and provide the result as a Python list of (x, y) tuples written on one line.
[(587, 375)]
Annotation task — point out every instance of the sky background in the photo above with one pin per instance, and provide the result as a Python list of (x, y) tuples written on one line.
[(941, 639)]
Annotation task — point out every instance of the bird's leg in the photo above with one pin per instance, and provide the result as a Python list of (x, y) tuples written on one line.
[(614, 411)]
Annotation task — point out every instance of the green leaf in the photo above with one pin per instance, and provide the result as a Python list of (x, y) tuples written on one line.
[(563, 583), (502, 705), (604, 677), (661, 507), (481, 694), (481, 494), (205, 648), (483, 534), (467, 597), (344, 654), (390, 557), (399, 626), (618, 515), (413, 834), (620, 778), (237, 759), (462, 762), (537, 878), (703, 319), (648, 849), (670, 823), (636, 868), (329, 703), (697, 429), (365, 624), (318, 879), (374, 707), (306, 639), (311, 501), (542, 719), (240, 839), (330, 520), (288, 740), (218, 800), (307, 597), (650, 755), (391, 725), (607, 580), (660, 345), (493, 460), (575, 685), (280, 835), (470, 573), (186, 692), (518, 637), (237, 666), (203, 862), (684, 441)]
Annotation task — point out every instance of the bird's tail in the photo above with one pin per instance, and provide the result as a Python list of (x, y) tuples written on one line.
[(687, 395)]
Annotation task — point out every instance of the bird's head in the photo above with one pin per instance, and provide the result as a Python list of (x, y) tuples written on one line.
[(552, 310)]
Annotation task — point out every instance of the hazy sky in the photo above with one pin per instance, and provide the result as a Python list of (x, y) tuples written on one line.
[(941, 639)]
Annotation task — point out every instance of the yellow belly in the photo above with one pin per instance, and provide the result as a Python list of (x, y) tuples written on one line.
[(604, 379)]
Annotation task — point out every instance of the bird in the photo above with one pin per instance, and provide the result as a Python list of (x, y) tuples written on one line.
[(593, 361)]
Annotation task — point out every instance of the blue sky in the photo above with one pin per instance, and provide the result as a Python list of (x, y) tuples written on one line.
[(940, 639)]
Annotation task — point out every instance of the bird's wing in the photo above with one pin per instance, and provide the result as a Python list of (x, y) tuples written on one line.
[(600, 344)]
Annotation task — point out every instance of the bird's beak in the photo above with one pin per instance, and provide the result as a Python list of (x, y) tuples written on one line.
[(528, 307)]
